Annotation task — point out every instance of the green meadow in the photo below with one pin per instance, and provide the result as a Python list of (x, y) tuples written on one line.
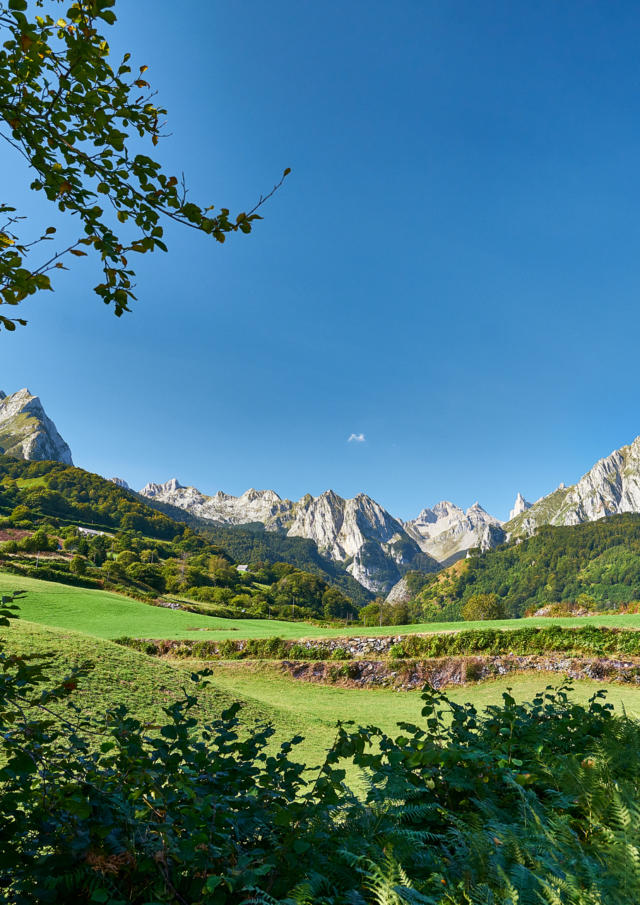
[(104, 614), (315, 708), (74, 626), (147, 684)]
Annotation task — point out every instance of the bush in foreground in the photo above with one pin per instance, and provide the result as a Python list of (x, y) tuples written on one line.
[(524, 803)]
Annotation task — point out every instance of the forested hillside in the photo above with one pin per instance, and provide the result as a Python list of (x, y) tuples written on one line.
[(65, 524), (596, 564)]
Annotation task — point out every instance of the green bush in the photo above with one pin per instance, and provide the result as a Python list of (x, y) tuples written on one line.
[(587, 640)]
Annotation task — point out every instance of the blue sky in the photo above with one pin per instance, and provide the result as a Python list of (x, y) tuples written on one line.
[(450, 271)]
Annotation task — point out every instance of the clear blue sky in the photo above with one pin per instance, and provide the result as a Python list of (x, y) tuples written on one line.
[(451, 269)]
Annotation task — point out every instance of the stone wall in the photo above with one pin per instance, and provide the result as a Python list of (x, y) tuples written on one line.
[(439, 673)]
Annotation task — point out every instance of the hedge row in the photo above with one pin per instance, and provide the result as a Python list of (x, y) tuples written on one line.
[(588, 640), (254, 649)]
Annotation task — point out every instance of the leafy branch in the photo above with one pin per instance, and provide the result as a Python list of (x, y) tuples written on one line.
[(78, 122)]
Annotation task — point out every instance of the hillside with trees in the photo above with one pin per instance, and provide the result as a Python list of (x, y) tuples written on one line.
[(594, 566), (64, 524)]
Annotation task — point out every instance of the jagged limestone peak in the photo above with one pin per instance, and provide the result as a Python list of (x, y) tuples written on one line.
[(358, 531), (156, 491), (446, 531), (520, 505), (27, 432), (610, 487)]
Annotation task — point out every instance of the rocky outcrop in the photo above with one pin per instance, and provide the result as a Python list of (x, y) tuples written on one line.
[(611, 487), (446, 532), (400, 592), (520, 505), (374, 547), (27, 432), (120, 482)]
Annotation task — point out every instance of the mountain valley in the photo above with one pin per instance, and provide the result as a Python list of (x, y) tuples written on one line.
[(354, 542)]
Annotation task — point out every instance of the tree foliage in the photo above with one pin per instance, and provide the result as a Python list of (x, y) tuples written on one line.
[(82, 123), (483, 606)]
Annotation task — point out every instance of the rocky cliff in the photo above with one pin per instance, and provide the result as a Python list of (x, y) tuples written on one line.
[(374, 546), (520, 505), (611, 487), (446, 532), (27, 432)]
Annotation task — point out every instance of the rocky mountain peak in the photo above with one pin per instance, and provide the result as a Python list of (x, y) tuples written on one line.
[(446, 531), (251, 495), (358, 530), (330, 496), (445, 508), (427, 516), (158, 491), (120, 482), (27, 432), (520, 505), (610, 487)]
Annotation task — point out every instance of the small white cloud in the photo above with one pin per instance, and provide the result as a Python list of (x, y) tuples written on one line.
[(356, 438)]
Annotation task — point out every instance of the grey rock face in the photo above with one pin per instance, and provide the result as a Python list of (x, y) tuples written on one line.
[(520, 505), (359, 532), (27, 432), (611, 487), (400, 592), (446, 532), (120, 482)]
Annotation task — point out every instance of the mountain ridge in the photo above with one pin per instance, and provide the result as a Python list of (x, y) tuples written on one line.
[(371, 544), (610, 487)]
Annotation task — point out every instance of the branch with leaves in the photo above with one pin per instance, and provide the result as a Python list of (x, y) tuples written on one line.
[(79, 121)]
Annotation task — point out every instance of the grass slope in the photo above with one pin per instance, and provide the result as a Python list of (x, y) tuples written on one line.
[(145, 684), (107, 615), (316, 708), (118, 676)]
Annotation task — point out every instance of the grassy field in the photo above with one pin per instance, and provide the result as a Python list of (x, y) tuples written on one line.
[(316, 708), (108, 615), (264, 683), (145, 685), (121, 676)]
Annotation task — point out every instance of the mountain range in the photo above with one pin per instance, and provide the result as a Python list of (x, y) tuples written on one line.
[(370, 543), (373, 546)]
